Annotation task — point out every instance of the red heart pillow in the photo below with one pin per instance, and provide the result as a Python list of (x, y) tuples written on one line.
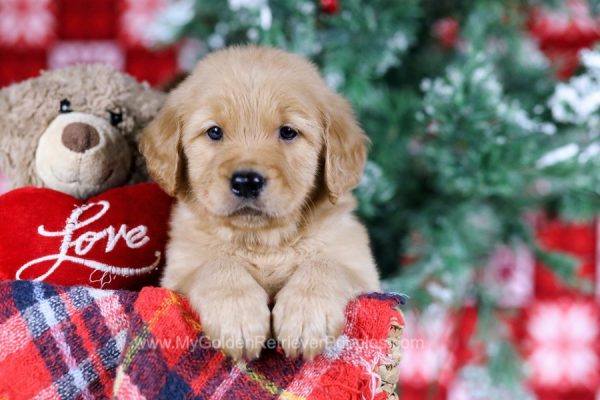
[(115, 240)]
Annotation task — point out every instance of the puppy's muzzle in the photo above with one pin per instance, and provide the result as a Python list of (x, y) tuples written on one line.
[(247, 184)]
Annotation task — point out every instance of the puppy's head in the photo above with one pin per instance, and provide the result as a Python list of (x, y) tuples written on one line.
[(252, 136)]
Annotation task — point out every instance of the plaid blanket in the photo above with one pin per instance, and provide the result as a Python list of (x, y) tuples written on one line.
[(78, 342)]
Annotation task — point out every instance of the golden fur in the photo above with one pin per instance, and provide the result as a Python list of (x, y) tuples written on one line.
[(298, 243)]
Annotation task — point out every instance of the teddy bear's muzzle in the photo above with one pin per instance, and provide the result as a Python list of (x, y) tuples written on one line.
[(82, 154), (80, 137)]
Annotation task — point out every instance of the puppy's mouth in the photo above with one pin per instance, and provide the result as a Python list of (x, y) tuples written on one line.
[(247, 211)]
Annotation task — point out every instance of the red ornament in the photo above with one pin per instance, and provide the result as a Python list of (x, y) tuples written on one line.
[(330, 6), (576, 239), (447, 30), (115, 240), (561, 37)]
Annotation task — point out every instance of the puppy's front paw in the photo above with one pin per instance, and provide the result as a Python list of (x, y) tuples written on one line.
[(238, 324), (306, 323)]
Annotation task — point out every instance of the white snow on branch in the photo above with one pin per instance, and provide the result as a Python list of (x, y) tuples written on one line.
[(579, 99), (558, 155), (592, 151), (590, 58), (236, 5)]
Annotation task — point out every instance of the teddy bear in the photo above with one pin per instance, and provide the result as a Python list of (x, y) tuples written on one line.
[(75, 129), (82, 212)]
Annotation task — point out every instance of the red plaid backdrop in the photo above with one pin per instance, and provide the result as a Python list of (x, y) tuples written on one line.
[(556, 329), (40, 34)]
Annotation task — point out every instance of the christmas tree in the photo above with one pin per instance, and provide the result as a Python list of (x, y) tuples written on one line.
[(478, 126)]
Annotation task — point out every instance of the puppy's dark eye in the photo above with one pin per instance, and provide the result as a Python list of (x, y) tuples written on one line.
[(65, 106), (287, 133), (214, 133), (115, 118)]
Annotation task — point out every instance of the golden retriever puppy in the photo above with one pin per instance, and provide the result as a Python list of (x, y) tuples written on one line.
[(262, 158)]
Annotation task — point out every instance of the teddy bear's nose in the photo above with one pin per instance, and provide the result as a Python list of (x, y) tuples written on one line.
[(79, 137)]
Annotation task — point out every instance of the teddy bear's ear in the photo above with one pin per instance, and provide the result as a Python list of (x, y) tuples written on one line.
[(161, 146), (19, 107), (146, 102)]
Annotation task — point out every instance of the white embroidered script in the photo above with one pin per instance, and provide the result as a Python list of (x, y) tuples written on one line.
[(133, 238)]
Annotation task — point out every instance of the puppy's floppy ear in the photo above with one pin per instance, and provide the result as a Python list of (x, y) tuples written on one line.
[(161, 146), (345, 147)]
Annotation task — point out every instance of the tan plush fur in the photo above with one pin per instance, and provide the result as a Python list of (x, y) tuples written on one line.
[(31, 150), (298, 242)]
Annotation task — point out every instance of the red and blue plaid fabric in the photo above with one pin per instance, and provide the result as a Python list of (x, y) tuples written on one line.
[(69, 342), (60, 342)]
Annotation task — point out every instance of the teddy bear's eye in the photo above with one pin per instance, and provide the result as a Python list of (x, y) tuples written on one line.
[(115, 118), (65, 106)]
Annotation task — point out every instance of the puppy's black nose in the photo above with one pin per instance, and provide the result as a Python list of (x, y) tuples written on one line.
[(247, 184)]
